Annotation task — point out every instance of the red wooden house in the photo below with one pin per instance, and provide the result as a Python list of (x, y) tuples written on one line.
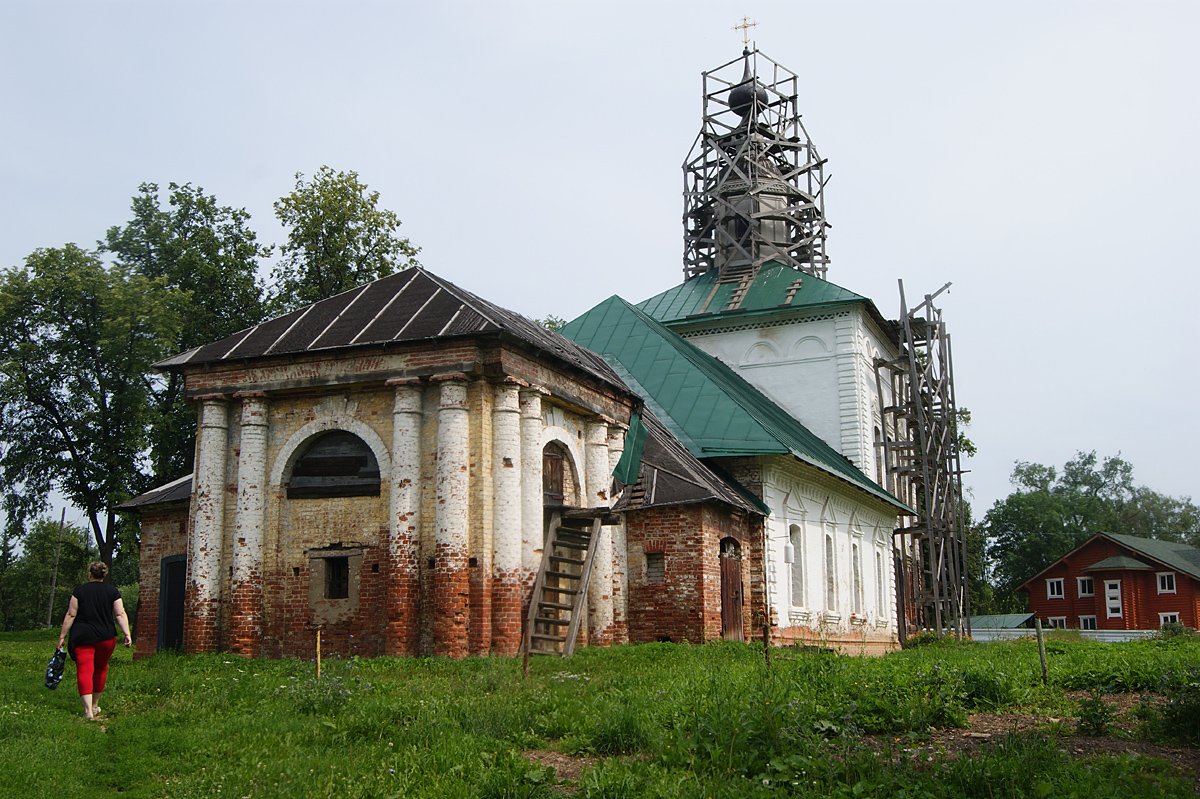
[(1119, 582)]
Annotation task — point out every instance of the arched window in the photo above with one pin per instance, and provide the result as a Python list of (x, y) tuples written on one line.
[(796, 539), (335, 464), (856, 585), (830, 575)]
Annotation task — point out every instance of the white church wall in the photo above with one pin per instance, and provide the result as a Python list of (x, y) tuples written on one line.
[(820, 369), (817, 516)]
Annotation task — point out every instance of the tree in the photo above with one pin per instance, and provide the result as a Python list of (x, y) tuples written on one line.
[(1052, 513), (208, 253), (76, 344), (338, 238), (50, 557), (552, 323)]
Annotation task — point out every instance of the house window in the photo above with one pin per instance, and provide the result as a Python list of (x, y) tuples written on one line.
[(1087, 586), (856, 578), (1168, 618), (796, 539), (1166, 582), (337, 577), (656, 567), (830, 576), (1057, 622), (1087, 622), (1112, 598), (1054, 588)]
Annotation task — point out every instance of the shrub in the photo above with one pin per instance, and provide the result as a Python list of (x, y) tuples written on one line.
[(1095, 715)]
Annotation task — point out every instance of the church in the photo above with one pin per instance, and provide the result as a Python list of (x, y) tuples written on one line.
[(408, 469)]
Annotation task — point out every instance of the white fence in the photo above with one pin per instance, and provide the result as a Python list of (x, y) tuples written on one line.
[(1009, 634)]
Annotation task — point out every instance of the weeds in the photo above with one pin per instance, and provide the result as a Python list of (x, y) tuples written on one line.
[(1095, 715)]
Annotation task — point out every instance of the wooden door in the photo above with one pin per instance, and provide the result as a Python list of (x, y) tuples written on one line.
[(731, 590), (170, 602), (552, 478)]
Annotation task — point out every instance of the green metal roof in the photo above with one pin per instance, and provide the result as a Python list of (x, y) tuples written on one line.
[(1179, 556), (771, 291), (704, 403), (1000, 621), (1118, 562)]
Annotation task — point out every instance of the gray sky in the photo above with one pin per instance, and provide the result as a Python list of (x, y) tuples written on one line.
[(1040, 155)]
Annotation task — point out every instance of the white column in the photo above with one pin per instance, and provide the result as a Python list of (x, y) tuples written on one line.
[(532, 525), (202, 620), (599, 481), (404, 516), (246, 590), (451, 583), (620, 548), (506, 518)]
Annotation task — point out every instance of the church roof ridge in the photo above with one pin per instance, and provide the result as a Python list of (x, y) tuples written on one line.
[(411, 305)]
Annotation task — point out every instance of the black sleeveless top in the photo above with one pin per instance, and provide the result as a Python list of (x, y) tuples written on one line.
[(95, 620)]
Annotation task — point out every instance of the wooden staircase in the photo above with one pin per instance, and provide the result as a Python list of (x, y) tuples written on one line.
[(559, 600)]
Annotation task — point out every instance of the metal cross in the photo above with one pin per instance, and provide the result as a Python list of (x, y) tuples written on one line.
[(745, 29)]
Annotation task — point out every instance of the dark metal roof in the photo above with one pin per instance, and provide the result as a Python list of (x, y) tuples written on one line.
[(670, 475), (175, 491), (409, 306)]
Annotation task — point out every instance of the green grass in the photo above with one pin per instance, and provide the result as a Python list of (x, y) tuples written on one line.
[(661, 720)]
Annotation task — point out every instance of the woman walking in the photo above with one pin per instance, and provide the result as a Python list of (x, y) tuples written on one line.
[(95, 607)]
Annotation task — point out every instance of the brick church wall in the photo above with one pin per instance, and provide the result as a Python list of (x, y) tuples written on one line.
[(686, 604), (163, 535)]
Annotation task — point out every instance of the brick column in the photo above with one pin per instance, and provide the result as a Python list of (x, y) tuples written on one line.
[(246, 590), (404, 512), (451, 579), (599, 481), (202, 616), (620, 549), (506, 519), (532, 522)]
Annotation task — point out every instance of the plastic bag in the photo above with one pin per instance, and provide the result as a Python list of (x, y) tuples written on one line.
[(55, 668)]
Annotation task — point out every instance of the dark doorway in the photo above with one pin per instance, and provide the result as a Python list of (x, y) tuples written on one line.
[(170, 602), (731, 590)]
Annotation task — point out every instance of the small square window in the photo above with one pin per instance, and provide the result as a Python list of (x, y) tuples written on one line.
[(1054, 588), (1087, 586), (1087, 622), (1168, 618), (1057, 622), (1166, 582), (337, 578), (656, 567)]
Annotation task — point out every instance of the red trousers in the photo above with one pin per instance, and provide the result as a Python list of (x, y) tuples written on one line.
[(91, 665)]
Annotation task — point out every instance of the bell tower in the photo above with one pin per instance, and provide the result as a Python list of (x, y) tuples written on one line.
[(753, 180)]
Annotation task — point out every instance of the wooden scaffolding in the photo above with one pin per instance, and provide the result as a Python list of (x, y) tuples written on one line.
[(922, 466)]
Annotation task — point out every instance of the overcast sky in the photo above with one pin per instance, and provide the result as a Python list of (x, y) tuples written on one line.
[(1040, 155)]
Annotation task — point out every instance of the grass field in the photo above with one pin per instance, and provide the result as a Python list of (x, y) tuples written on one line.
[(656, 720)]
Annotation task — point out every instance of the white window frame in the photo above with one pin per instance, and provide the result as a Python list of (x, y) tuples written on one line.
[(1170, 617), (1162, 577), (1055, 582), (1079, 586), (1057, 622), (1112, 590), (1083, 623)]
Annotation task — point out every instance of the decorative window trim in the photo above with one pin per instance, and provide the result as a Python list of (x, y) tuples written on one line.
[(1164, 577), (1169, 617), (1055, 588), (1079, 581), (1083, 620), (1108, 602)]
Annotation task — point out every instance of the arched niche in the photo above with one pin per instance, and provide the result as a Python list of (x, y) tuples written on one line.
[(292, 448), (334, 463)]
